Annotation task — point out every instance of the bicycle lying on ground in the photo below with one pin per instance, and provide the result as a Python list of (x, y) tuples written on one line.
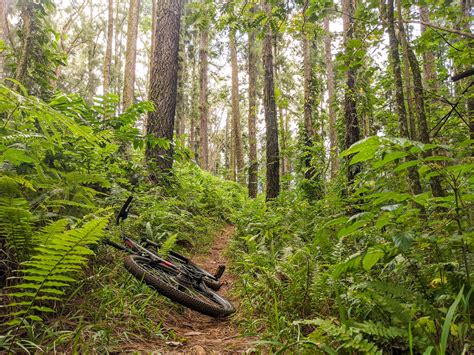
[(175, 276)]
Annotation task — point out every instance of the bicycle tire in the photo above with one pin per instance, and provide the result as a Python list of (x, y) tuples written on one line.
[(164, 281), (208, 279)]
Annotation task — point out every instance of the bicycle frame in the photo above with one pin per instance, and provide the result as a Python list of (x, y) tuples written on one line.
[(132, 247)]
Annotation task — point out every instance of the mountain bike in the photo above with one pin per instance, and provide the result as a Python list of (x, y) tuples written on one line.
[(175, 276)]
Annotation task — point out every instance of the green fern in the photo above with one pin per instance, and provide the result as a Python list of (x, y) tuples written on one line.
[(15, 219), (57, 259), (53, 123), (339, 336), (168, 244), (380, 330)]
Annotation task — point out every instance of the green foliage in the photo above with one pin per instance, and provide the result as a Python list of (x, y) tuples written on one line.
[(56, 258), (380, 271), (57, 162)]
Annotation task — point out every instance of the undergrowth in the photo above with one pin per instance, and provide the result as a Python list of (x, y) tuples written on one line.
[(66, 167), (379, 270)]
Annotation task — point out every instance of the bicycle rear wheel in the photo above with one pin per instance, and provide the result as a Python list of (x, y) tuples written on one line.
[(168, 282)]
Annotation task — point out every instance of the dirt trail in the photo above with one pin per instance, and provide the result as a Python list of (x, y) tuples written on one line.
[(199, 334)]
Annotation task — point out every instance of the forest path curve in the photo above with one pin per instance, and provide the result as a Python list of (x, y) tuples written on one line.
[(199, 334)]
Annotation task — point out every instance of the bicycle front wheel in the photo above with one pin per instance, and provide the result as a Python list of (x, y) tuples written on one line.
[(167, 281)]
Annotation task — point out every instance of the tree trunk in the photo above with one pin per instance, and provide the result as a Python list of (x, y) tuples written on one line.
[(227, 146), (352, 133), (182, 79), (153, 39), (163, 86), (236, 125), (408, 93), (232, 175), (429, 63), (252, 119), (27, 29), (203, 106), (399, 98), (108, 50), (334, 161), (130, 55), (309, 132), (419, 101), (3, 34), (91, 50), (193, 136), (466, 8), (271, 124), (116, 77)]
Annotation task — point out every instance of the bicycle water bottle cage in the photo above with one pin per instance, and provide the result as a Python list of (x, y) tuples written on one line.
[(123, 214)]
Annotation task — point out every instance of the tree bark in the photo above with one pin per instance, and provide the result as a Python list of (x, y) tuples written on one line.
[(236, 125), (182, 79), (163, 86), (466, 8), (3, 34), (309, 132), (108, 50), (271, 124), (232, 174), (228, 144), (408, 93), (419, 101), (399, 97), (334, 162), (193, 131), (352, 133), (130, 55), (252, 118), (429, 63), (203, 106), (27, 17), (116, 78)]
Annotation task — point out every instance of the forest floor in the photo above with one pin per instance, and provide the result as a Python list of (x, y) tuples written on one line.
[(199, 334)]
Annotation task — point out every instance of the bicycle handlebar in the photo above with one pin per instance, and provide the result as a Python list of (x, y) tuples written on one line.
[(123, 214)]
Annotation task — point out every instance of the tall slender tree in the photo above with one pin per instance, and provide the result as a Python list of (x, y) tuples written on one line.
[(352, 132), (130, 54), (252, 117), (309, 102), (271, 124), (418, 98), (236, 125), (203, 93), (333, 149), (3, 33), (163, 85), (399, 97), (28, 23), (108, 50)]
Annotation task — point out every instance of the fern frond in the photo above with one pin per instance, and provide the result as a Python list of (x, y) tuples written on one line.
[(380, 330), (50, 120), (168, 244), (340, 336), (15, 229), (53, 267)]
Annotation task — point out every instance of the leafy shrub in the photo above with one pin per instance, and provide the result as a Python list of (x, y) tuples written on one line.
[(377, 273)]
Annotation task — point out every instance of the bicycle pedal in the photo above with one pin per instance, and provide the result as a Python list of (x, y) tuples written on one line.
[(220, 270)]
